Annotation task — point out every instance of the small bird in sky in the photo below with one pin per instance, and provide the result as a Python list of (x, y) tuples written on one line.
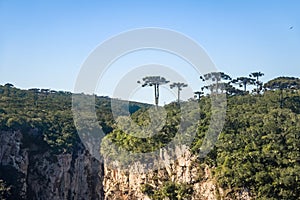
[(291, 27)]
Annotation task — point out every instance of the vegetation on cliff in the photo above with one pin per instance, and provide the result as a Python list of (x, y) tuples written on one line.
[(258, 148)]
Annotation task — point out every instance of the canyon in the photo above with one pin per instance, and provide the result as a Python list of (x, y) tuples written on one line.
[(35, 173)]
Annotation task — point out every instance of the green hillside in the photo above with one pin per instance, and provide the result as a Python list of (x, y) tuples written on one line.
[(258, 149)]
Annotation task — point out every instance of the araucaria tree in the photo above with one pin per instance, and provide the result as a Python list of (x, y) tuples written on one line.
[(283, 83), (198, 94), (154, 81), (243, 82), (216, 78), (258, 83), (179, 87)]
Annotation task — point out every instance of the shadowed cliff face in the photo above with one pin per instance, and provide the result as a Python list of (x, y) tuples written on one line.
[(34, 173)]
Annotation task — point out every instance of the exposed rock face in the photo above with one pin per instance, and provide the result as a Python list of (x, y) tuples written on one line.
[(127, 184), (41, 175), (14, 160)]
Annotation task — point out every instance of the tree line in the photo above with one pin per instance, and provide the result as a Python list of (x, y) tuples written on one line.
[(220, 82)]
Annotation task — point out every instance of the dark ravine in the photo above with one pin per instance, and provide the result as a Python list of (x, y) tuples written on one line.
[(37, 174)]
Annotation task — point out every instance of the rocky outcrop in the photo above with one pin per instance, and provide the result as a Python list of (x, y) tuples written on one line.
[(128, 184), (38, 174), (14, 161), (186, 169)]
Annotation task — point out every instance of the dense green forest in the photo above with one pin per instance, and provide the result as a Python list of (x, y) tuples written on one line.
[(258, 148)]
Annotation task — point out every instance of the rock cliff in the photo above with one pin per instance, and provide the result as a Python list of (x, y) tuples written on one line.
[(36, 173), (130, 184)]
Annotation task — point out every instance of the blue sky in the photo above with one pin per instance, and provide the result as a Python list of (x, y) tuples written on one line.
[(44, 43)]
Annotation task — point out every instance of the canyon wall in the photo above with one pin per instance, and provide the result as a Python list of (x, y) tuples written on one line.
[(36, 173)]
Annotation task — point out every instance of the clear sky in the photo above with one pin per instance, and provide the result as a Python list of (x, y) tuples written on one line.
[(44, 43)]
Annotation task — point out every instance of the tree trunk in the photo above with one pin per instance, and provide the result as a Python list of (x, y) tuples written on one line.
[(156, 93), (281, 98), (178, 94)]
